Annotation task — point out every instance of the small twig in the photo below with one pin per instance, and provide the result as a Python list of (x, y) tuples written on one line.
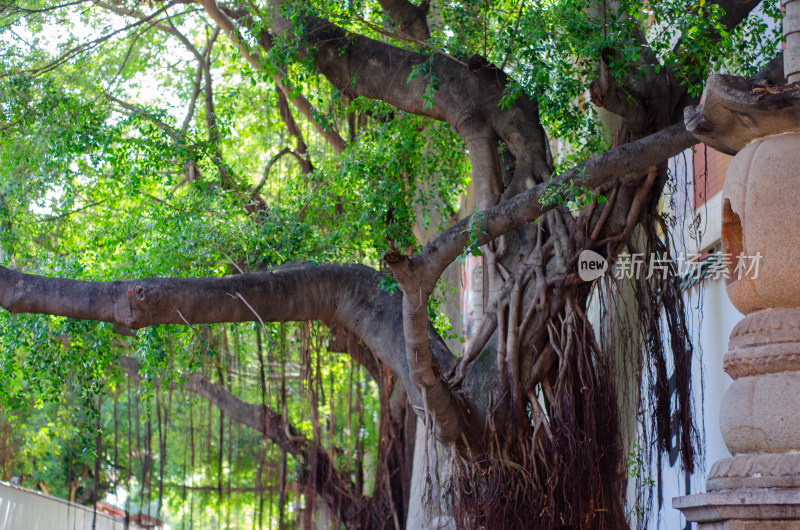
[(267, 169), (196, 334), (73, 212), (239, 295), (313, 193)]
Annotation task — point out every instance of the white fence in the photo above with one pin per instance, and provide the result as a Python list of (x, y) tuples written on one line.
[(24, 509)]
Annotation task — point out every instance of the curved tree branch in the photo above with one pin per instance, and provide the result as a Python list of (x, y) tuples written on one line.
[(344, 294), (347, 295), (466, 95), (524, 208), (606, 93), (424, 369)]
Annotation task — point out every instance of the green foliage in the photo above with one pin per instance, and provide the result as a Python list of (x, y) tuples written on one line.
[(571, 194), (639, 471), (436, 313), (426, 71), (389, 284), (402, 170), (474, 230)]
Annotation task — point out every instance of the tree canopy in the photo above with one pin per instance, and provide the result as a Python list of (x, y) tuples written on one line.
[(232, 232)]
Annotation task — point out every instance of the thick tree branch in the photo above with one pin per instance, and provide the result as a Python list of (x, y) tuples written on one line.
[(424, 370), (524, 208), (468, 94), (606, 93), (245, 297), (733, 113), (344, 294), (411, 20)]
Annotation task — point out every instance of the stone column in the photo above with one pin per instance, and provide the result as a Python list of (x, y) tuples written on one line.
[(759, 486), (791, 33)]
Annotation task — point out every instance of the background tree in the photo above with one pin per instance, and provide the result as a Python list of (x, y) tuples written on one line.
[(309, 142)]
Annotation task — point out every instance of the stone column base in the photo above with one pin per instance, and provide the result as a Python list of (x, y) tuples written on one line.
[(756, 471), (743, 509)]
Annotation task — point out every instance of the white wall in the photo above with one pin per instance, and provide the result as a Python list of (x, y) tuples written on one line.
[(23, 509)]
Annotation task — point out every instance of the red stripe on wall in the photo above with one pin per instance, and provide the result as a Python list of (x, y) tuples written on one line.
[(709, 167)]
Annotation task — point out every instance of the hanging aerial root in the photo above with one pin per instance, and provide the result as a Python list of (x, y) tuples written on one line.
[(557, 463)]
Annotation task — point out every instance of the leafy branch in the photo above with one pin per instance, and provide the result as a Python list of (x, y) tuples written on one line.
[(572, 194), (473, 231), (431, 80)]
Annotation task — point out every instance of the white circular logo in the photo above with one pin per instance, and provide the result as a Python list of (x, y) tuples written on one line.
[(591, 265)]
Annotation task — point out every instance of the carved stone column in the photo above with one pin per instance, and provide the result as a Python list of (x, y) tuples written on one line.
[(759, 486)]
